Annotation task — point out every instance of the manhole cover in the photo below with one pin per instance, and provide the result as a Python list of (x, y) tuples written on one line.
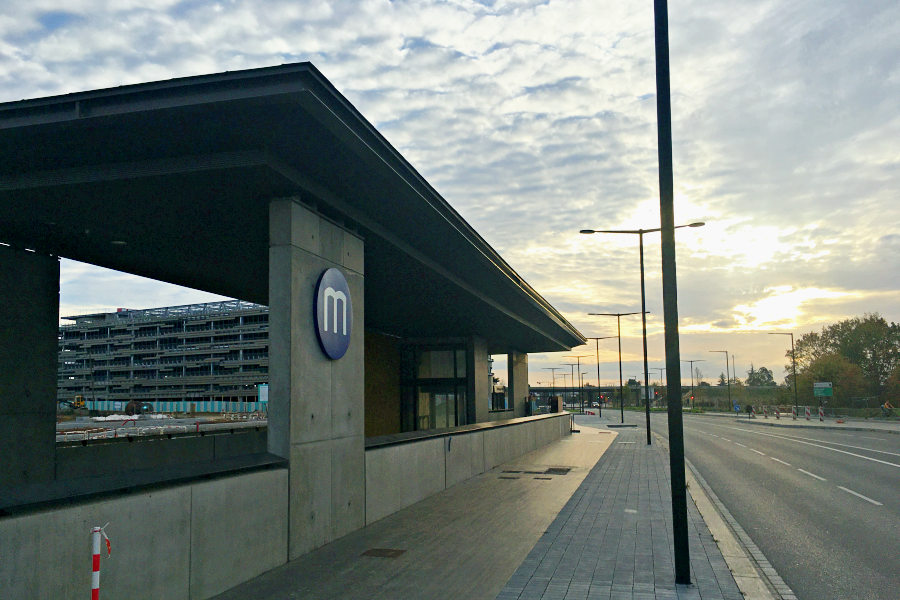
[(383, 552)]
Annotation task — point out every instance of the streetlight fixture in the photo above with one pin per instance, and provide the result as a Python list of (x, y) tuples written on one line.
[(640, 233), (597, 340), (727, 377), (793, 365), (618, 317), (692, 378)]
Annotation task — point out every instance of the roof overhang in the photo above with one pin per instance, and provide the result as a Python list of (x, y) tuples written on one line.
[(172, 180)]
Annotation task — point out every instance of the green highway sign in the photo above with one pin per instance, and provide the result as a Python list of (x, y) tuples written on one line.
[(822, 389)]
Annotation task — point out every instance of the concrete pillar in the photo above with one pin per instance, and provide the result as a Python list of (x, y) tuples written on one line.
[(316, 404), (479, 393), (29, 326), (517, 376)]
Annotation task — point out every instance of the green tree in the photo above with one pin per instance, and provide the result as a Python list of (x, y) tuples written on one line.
[(846, 378), (760, 377), (722, 381), (869, 342)]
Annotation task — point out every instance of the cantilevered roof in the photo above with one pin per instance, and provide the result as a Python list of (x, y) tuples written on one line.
[(183, 170)]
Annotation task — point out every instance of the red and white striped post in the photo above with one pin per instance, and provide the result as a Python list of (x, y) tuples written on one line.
[(777, 414), (765, 412), (807, 413), (752, 412), (96, 532), (794, 412), (821, 413)]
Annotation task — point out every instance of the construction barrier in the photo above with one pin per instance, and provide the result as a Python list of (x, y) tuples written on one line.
[(794, 412), (807, 413), (765, 412), (752, 412), (821, 413), (777, 413)]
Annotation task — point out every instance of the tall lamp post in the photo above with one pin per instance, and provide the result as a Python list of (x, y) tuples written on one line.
[(692, 378), (793, 366), (597, 340), (727, 376), (578, 357), (640, 233), (618, 317)]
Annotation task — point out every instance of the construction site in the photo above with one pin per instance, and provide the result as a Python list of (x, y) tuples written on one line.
[(210, 357)]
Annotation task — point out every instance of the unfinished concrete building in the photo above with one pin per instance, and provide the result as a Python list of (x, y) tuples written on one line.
[(208, 357)]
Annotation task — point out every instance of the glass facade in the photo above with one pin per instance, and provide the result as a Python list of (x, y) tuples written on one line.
[(433, 387)]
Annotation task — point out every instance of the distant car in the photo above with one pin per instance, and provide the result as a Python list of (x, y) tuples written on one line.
[(595, 405), (136, 407)]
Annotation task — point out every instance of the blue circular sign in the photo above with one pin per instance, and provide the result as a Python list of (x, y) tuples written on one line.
[(334, 313), (737, 408)]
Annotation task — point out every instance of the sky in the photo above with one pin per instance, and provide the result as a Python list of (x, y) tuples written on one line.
[(535, 119)]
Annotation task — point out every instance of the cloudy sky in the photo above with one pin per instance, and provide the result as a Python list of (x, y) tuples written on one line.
[(537, 118)]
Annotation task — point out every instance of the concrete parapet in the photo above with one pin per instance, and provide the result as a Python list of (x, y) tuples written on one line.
[(187, 542)]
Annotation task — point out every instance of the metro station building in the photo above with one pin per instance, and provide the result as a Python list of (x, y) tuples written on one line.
[(384, 306)]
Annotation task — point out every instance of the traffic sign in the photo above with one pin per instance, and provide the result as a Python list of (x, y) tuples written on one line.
[(737, 408), (822, 388)]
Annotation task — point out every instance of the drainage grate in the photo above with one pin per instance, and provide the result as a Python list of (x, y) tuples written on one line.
[(383, 552), (502, 477), (557, 471), (545, 478), (510, 471), (534, 472)]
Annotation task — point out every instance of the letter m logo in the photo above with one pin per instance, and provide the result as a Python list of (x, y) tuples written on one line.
[(335, 297)]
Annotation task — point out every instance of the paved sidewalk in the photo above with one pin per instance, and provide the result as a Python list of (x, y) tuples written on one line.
[(613, 539), (597, 524)]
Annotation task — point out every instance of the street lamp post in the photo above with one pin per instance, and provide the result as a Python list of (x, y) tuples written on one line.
[(578, 357), (793, 366), (727, 377), (692, 378), (597, 340), (640, 233), (618, 317)]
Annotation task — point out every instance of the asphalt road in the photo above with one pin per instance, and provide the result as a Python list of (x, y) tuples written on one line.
[(823, 506)]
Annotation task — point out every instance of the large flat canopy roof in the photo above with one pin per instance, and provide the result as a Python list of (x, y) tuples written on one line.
[(183, 171)]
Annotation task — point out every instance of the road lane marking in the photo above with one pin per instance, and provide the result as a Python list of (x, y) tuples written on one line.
[(799, 441), (758, 452), (858, 495), (740, 444), (871, 438), (714, 435), (779, 460), (791, 437), (812, 475), (726, 439)]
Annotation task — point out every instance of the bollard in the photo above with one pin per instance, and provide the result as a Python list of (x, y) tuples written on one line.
[(777, 414), (765, 412), (821, 413), (752, 412), (96, 532), (807, 413), (794, 412)]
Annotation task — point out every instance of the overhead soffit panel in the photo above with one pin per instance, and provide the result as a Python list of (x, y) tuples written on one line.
[(173, 220)]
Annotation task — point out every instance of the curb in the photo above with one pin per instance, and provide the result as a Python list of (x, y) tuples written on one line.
[(766, 573)]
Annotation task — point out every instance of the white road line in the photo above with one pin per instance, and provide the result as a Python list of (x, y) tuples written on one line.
[(858, 495), (799, 441), (779, 460), (871, 438), (812, 475), (740, 444), (714, 435), (726, 439), (758, 452)]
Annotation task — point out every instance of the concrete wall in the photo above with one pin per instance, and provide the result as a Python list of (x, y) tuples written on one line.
[(103, 457), (29, 325), (382, 385), (316, 405), (186, 542), (401, 475)]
